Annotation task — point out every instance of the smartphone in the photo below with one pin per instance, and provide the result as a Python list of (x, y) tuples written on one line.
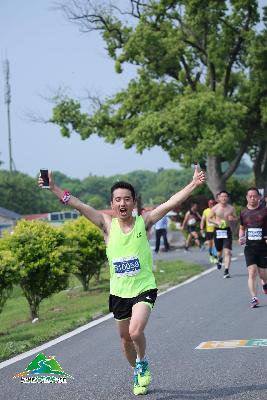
[(44, 176)]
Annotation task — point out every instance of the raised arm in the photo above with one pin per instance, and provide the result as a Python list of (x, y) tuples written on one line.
[(178, 198), (97, 218)]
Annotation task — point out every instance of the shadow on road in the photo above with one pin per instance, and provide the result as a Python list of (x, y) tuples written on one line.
[(207, 394)]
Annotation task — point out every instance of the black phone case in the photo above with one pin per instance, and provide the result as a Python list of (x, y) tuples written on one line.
[(44, 176)]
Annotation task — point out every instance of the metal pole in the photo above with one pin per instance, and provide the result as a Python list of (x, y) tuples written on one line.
[(8, 101)]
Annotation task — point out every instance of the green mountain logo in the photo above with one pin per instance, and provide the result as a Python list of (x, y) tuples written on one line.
[(43, 364)]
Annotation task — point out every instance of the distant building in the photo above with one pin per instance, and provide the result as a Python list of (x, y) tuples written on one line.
[(59, 217), (8, 220), (55, 218)]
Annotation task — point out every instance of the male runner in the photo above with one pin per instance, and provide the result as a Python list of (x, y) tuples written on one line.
[(191, 218), (133, 289), (207, 228), (253, 233), (221, 215)]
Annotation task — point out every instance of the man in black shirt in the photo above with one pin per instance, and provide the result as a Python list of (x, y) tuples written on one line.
[(253, 234)]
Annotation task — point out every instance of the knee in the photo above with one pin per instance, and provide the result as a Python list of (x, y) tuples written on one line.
[(125, 337), (252, 273), (126, 341), (135, 333)]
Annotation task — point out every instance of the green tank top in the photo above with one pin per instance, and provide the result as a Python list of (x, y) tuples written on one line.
[(130, 260)]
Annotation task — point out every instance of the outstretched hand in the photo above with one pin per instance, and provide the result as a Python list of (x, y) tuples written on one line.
[(51, 182), (199, 177)]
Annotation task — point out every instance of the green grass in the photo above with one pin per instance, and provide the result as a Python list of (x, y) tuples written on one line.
[(70, 308)]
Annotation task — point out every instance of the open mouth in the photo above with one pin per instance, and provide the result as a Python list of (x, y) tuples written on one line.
[(123, 212)]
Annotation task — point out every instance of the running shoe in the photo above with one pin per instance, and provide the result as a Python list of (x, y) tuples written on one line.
[(211, 259), (219, 263), (254, 302), (226, 274), (143, 372), (264, 288), (137, 388)]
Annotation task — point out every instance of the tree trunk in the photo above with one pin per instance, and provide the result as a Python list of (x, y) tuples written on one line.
[(260, 167), (215, 180), (85, 283), (97, 275), (84, 279), (34, 307)]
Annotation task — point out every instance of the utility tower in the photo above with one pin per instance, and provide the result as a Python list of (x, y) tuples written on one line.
[(8, 101)]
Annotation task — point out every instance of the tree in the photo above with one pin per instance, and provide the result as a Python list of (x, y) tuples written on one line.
[(95, 201), (256, 97), (8, 275), (193, 68), (88, 246), (20, 193), (42, 261)]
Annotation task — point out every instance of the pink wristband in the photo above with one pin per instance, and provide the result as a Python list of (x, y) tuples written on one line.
[(66, 197)]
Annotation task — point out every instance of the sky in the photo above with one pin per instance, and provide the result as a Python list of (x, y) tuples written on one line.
[(46, 52)]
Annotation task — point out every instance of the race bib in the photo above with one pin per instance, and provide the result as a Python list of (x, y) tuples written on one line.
[(192, 221), (221, 234), (254, 233), (127, 266)]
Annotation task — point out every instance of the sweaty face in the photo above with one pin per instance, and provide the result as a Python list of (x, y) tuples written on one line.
[(253, 198), (122, 203)]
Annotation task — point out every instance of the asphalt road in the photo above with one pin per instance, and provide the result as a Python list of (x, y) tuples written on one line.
[(209, 308)]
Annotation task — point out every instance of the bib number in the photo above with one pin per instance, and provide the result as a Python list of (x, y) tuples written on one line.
[(128, 266), (254, 233), (221, 234), (192, 221)]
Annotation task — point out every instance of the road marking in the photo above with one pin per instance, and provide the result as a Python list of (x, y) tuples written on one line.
[(231, 344), (83, 328)]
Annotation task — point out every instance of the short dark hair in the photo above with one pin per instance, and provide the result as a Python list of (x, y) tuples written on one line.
[(223, 191), (122, 185), (254, 189)]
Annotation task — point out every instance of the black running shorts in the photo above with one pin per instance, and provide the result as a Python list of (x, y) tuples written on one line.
[(209, 235), (256, 255), (122, 307), (223, 243), (191, 228)]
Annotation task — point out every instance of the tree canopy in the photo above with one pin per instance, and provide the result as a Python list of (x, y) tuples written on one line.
[(40, 258), (200, 90), (19, 192)]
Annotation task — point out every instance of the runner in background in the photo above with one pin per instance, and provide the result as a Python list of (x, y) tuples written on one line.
[(253, 234), (221, 215), (191, 218), (207, 230)]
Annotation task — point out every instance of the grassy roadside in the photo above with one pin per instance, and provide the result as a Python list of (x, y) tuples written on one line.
[(70, 308)]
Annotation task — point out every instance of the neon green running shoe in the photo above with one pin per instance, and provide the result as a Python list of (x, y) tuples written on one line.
[(143, 373), (137, 388)]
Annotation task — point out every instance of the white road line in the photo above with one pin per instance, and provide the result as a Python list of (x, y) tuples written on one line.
[(89, 325)]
